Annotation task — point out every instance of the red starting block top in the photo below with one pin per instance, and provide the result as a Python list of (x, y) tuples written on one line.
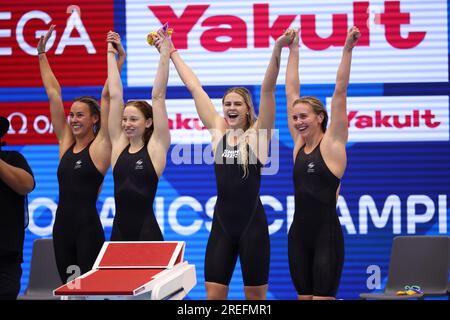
[(139, 255), (123, 267), (109, 282)]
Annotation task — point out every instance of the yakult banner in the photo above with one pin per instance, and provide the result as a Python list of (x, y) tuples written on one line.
[(392, 119), (230, 42)]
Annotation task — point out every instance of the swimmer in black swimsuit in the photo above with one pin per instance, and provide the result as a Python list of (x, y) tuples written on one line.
[(240, 143), (315, 241), (140, 139), (85, 155)]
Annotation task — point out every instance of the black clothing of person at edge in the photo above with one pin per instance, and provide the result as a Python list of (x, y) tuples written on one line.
[(13, 217)]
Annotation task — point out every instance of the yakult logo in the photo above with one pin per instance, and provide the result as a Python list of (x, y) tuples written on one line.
[(188, 123), (416, 119), (374, 119), (230, 42), (185, 126), (392, 19)]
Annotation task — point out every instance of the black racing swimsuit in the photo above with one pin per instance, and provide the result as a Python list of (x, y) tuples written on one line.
[(315, 240), (77, 232), (239, 224), (135, 183)]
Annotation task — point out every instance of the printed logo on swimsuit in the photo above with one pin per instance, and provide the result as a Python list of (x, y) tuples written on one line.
[(78, 164), (139, 165), (311, 168), (230, 153)]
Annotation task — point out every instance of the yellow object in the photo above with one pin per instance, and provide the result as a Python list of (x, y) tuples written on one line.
[(154, 33), (406, 293)]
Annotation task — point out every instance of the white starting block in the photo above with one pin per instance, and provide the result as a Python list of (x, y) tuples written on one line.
[(134, 270)]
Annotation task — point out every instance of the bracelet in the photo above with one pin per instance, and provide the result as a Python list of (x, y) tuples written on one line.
[(172, 51), (41, 52), (110, 51)]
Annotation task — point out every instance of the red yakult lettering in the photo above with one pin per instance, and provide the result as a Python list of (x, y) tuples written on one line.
[(262, 29), (237, 33), (312, 40), (235, 28), (179, 123), (182, 25), (382, 120), (392, 18)]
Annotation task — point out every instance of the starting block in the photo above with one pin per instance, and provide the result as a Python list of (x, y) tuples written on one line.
[(141, 270)]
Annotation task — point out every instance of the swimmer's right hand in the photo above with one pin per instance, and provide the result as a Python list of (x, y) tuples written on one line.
[(43, 40)]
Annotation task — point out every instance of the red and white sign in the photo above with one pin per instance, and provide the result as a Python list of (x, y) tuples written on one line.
[(31, 122), (390, 119), (76, 51), (230, 42), (184, 123)]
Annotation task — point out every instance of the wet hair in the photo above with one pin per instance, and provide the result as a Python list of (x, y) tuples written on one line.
[(316, 106), (146, 109), (94, 108), (251, 119)]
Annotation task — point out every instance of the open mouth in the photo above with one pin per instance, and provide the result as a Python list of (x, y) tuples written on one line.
[(302, 128), (233, 115)]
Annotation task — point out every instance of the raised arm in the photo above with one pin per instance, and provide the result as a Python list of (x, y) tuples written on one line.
[(205, 109), (338, 129), (115, 94), (266, 116), (53, 90), (160, 140), (104, 104), (292, 83), (161, 133), (101, 147)]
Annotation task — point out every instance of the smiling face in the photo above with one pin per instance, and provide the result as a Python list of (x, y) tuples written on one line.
[(305, 120), (235, 110), (134, 122), (81, 120)]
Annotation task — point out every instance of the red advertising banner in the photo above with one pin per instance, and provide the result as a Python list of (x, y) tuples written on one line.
[(30, 122), (76, 51)]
